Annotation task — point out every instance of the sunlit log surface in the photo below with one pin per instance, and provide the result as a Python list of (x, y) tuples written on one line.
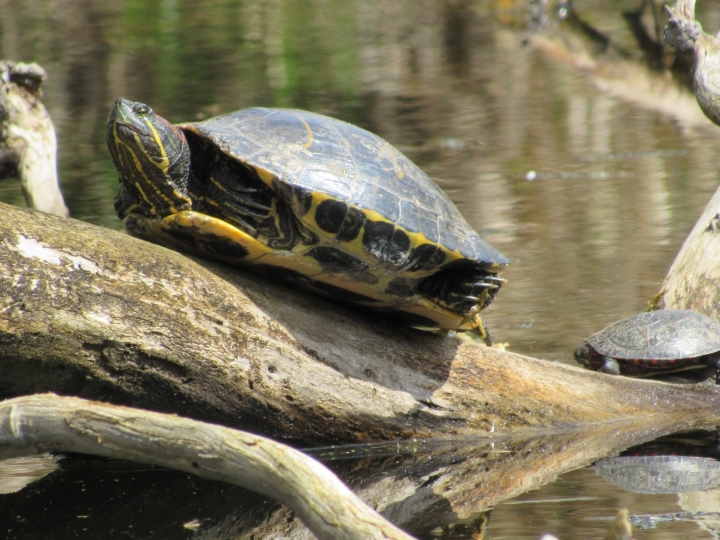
[(94, 313), (693, 281)]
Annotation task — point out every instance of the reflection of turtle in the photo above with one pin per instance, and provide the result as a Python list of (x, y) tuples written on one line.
[(660, 474), (653, 343), (307, 199)]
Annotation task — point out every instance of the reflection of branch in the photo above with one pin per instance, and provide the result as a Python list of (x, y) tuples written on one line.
[(49, 423)]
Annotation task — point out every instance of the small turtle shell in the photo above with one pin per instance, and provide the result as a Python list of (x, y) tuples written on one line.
[(659, 335)]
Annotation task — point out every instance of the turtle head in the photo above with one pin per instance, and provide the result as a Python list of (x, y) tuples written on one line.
[(152, 158), (583, 355)]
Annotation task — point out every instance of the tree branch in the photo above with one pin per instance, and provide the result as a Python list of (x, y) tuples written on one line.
[(50, 423)]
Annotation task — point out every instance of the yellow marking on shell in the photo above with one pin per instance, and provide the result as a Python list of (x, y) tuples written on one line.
[(264, 175), (311, 137), (400, 174), (355, 247)]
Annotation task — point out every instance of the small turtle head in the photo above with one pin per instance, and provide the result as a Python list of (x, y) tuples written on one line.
[(583, 355), (152, 158)]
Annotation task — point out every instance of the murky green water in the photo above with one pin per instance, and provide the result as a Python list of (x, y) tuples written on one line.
[(588, 177)]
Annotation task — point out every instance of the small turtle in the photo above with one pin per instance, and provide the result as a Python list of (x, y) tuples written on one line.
[(307, 199), (652, 343)]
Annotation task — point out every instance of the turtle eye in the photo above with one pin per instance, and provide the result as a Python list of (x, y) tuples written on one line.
[(142, 110)]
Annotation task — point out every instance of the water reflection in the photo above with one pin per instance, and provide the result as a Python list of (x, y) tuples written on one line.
[(620, 174)]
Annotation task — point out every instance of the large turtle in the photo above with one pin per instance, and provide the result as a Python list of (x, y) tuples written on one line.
[(653, 342), (308, 199)]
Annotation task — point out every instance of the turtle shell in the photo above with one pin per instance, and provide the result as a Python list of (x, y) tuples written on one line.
[(335, 165), (669, 334)]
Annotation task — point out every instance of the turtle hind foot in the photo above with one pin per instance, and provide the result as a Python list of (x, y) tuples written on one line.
[(461, 289)]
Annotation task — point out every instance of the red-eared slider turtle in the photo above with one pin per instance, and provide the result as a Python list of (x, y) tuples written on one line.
[(308, 199), (653, 343)]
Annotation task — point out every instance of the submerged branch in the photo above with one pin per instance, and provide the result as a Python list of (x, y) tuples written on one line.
[(50, 423)]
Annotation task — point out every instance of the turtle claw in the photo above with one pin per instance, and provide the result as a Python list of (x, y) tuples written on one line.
[(495, 279), (486, 285)]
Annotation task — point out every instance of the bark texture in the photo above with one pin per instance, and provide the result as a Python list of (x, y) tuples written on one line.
[(94, 313), (693, 281)]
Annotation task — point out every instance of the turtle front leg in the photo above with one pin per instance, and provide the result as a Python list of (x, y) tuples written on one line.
[(610, 366)]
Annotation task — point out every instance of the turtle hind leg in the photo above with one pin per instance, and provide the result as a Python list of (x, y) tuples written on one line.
[(479, 328), (465, 291), (713, 360)]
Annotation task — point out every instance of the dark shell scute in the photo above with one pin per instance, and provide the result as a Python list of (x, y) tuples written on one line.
[(376, 238), (401, 287), (351, 227), (426, 257), (386, 243), (330, 215)]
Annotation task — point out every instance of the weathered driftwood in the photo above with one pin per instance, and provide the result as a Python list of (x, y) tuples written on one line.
[(50, 423), (693, 281), (27, 137), (685, 34), (97, 314)]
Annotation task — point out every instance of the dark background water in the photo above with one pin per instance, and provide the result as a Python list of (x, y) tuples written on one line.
[(587, 173)]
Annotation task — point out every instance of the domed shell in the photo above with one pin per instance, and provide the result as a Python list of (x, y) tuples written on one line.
[(317, 154), (659, 335)]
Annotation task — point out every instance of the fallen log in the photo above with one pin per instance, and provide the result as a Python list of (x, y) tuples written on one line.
[(97, 314)]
